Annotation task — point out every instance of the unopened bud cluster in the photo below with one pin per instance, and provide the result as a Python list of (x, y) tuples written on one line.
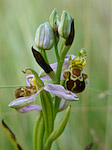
[(46, 32)]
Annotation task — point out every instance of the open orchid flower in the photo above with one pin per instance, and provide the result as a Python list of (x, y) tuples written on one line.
[(26, 95)]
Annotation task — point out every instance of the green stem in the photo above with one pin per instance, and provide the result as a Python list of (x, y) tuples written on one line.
[(61, 61), (57, 103), (59, 69), (56, 52), (58, 73), (52, 75), (10, 86), (64, 51), (43, 53)]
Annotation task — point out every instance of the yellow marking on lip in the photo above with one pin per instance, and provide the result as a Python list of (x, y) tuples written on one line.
[(74, 86)]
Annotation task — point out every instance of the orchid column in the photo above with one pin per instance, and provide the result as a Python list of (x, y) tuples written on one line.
[(66, 78)]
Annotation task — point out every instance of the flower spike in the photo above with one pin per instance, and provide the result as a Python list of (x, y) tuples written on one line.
[(56, 84)]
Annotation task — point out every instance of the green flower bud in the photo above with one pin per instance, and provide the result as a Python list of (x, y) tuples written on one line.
[(44, 37), (54, 19), (65, 25)]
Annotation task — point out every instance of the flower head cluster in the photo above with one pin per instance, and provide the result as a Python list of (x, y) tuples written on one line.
[(66, 76)]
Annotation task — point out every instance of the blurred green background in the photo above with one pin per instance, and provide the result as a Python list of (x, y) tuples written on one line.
[(91, 117)]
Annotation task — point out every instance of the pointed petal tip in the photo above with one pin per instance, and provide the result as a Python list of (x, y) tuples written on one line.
[(9, 105)]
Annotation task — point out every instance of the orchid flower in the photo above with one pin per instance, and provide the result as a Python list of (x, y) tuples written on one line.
[(23, 101)]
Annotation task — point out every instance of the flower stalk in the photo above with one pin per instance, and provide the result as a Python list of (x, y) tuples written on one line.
[(56, 83)]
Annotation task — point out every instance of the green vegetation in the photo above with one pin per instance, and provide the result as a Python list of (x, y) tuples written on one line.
[(91, 117)]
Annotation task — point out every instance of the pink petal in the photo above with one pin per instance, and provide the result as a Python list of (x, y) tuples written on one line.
[(59, 91), (23, 101), (29, 108)]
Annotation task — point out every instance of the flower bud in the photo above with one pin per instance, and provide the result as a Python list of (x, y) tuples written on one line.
[(44, 37), (65, 25), (54, 19)]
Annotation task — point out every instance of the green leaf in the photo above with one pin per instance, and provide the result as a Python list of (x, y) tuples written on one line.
[(59, 128), (47, 109), (38, 133), (11, 136)]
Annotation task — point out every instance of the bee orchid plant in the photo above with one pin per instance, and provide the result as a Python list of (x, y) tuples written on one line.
[(66, 78)]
